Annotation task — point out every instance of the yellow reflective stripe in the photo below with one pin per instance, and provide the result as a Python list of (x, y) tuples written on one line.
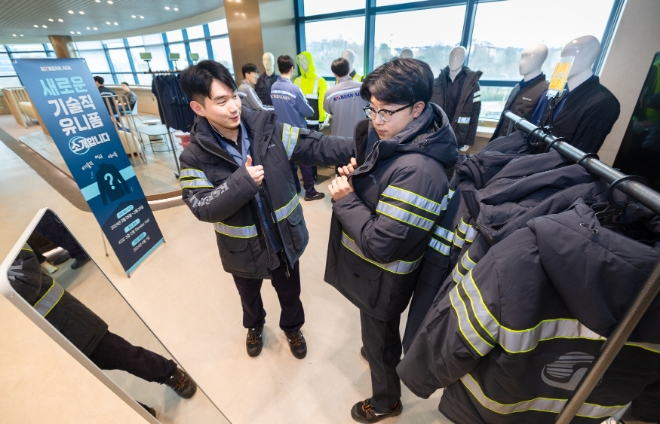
[(396, 267), (191, 172), (289, 138), (196, 183), (287, 209), (402, 215), (440, 247), (469, 333), (27, 248), (236, 232), (48, 301), (540, 404), (413, 199)]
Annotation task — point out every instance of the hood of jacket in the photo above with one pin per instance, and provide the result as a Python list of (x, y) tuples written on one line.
[(597, 271), (430, 134), (311, 69)]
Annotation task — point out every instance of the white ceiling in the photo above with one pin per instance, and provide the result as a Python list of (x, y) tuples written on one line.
[(19, 16)]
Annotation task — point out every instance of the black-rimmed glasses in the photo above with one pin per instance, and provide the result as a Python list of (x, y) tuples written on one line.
[(385, 115)]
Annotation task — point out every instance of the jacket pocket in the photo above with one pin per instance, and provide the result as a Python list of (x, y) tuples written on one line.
[(235, 254), (294, 226), (360, 279)]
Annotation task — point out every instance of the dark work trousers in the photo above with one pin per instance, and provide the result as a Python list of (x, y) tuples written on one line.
[(52, 228), (315, 172), (382, 343), (308, 178), (292, 316), (115, 353)]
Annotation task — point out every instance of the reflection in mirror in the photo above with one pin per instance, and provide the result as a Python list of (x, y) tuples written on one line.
[(57, 277)]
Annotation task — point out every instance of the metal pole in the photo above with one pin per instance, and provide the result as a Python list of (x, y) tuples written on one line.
[(647, 294)]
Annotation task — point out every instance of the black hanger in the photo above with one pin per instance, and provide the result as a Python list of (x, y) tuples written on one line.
[(613, 207)]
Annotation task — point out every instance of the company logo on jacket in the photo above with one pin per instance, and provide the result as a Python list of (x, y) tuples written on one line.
[(567, 371)]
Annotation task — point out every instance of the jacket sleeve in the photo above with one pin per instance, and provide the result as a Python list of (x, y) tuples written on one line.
[(595, 126), (323, 87), (255, 102), (303, 106), (474, 117), (327, 105), (213, 204), (312, 147), (404, 216)]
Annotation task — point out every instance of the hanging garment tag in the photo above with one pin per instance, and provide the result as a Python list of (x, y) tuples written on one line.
[(560, 76)]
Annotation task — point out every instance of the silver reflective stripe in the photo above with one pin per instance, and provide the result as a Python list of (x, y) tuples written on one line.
[(396, 267), (196, 183), (413, 199), (458, 241), (463, 226), (540, 404), (456, 275), (283, 92), (464, 120), (440, 247), (467, 262), (444, 233), (241, 94), (404, 216), (236, 232), (196, 173), (312, 122), (470, 234), (477, 93), (289, 138), (479, 345), (49, 300), (287, 209)]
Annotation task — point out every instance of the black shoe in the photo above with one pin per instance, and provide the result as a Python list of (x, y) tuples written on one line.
[(255, 340), (363, 412), (181, 383), (80, 262), (297, 343), (63, 257), (149, 409), (363, 354), (317, 196)]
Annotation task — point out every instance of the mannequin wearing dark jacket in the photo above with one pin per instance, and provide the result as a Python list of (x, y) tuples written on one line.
[(512, 350), (584, 116), (263, 85), (522, 101), (461, 101)]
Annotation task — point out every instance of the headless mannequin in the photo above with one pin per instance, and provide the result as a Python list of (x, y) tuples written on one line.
[(456, 59), (531, 61), (585, 50), (406, 54), (269, 63)]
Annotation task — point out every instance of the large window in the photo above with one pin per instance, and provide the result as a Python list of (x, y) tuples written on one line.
[(326, 40), (494, 32), (8, 52)]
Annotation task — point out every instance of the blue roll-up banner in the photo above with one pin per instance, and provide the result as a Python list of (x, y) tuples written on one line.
[(70, 105)]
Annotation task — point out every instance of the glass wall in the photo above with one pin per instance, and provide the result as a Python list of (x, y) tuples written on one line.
[(494, 32), (118, 60)]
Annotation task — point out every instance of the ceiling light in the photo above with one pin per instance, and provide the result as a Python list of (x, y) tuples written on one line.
[(98, 1), (71, 12), (61, 20), (116, 23), (176, 9), (50, 20), (14, 35), (77, 32), (109, 1), (141, 17), (72, 32), (133, 16), (44, 26), (236, 13), (107, 23), (88, 28), (21, 35), (81, 12), (36, 26), (95, 28), (167, 8)]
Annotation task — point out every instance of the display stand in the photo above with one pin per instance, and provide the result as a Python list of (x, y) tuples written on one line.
[(631, 186)]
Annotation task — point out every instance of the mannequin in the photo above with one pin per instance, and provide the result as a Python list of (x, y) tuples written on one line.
[(406, 54), (585, 113), (456, 90), (266, 80), (349, 55), (526, 94)]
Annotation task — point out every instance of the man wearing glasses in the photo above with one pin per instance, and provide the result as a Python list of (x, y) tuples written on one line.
[(387, 203)]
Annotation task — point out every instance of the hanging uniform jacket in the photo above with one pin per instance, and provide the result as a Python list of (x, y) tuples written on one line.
[(379, 232), (344, 103), (82, 327), (585, 117), (313, 87), (465, 119), (249, 97), (355, 76), (263, 87), (219, 191), (512, 350), (522, 101)]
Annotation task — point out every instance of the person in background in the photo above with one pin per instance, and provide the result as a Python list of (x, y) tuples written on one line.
[(132, 97), (291, 108), (343, 101), (105, 92), (249, 97)]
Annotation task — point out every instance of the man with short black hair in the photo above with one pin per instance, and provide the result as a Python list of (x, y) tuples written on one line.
[(105, 92), (291, 108), (235, 174), (343, 101), (246, 91), (132, 97), (388, 201)]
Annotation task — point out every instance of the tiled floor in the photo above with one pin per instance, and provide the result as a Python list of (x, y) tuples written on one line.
[(184, 295)]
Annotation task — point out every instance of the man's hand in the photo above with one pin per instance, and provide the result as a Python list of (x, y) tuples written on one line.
[(346, 170), (340, 188), (256, 172)]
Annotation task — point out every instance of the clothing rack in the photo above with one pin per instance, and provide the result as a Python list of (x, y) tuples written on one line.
[(648, 197), (167, 127)]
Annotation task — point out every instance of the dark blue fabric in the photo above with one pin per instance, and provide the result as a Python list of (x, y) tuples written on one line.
[(543, 104)]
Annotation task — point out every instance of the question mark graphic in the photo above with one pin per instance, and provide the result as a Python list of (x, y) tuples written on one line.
[(108, 177)]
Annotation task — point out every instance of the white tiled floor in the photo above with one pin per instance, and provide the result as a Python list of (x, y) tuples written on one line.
[(184, 295)]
